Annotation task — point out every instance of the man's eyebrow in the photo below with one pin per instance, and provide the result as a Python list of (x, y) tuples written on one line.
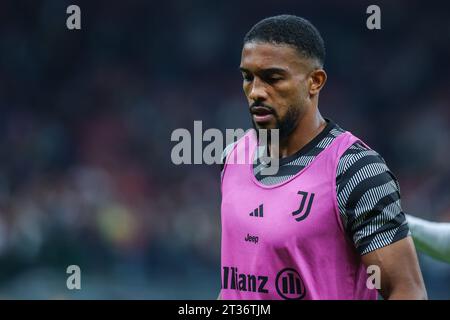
[(266, 71), (273, 70)]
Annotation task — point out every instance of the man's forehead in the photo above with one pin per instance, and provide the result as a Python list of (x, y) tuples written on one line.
[(263, 55)]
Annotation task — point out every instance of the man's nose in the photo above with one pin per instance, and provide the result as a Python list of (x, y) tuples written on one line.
[(257, 91)]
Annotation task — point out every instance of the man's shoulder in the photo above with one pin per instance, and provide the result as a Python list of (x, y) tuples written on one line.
[(226, 152), (363, 167), (358, 153), (357, 156), (230, 147)]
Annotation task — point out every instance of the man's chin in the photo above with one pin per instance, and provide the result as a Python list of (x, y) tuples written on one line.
[(268, 129), (263, 125)]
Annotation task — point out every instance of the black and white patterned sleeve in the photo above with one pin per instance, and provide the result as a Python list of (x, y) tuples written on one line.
[(368, 195)]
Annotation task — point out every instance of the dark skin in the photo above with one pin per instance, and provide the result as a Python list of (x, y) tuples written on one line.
[(279, 76)]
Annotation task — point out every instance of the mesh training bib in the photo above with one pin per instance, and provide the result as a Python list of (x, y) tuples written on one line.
[(286, 241)]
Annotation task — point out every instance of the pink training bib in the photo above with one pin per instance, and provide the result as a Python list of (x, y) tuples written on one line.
[(286, 241)]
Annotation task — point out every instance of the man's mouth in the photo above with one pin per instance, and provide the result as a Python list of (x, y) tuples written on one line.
[(262, 114)]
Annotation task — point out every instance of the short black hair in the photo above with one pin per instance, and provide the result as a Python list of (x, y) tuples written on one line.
[(291, 30)]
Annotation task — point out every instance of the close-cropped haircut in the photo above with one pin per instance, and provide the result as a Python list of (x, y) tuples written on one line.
[(290, 30)]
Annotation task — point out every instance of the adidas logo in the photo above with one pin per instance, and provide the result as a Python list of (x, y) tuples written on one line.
[(258, 212)]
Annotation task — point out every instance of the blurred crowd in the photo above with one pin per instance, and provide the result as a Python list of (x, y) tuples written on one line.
[(86, 118)]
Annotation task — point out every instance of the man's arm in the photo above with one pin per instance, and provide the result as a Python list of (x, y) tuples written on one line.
[(369, 201), (400, 272), (432, 238)]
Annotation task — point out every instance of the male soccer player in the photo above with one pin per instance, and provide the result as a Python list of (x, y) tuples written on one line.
[(431, 238), (333, 208)]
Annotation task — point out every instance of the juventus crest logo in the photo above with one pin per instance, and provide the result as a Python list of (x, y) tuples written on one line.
[(301, 214)]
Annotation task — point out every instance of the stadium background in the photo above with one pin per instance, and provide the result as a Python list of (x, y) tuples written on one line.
[(86, 118)]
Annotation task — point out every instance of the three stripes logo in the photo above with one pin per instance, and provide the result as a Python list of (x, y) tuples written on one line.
[(258, 212), (300, 212), (289, 284)]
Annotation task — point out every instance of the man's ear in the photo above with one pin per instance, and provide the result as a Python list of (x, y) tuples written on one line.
[(317, 80)]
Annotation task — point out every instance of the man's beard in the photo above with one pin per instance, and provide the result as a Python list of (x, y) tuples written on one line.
[(285, 126)]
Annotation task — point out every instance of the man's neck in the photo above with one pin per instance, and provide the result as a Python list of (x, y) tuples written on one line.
[(308, 128)]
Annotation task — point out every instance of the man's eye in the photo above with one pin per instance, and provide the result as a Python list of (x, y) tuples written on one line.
[(247, 78), (273, 79)]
